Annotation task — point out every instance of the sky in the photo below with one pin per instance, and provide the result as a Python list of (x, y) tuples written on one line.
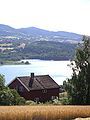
[(53, 15)]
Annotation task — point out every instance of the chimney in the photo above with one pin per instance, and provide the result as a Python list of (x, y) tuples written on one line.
[(32, 75), (31, 80)]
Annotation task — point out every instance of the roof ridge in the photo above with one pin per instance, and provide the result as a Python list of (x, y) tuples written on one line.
[(23, 76), (43, 75), (34, 76)]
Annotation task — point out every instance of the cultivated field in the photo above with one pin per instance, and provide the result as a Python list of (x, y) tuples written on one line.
[(43, 112)]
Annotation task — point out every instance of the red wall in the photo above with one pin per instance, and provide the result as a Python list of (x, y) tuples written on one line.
[(39, 94), (14, 85)]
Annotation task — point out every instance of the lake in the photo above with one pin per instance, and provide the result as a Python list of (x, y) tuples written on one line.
[(58, 70)]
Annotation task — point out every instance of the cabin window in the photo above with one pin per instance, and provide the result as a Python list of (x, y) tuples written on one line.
[(21, 89), (44, 91)]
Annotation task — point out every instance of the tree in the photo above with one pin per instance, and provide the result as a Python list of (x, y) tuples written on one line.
[(17, 100), (2, 82), (6, 97), (27, 62), (78, 87), (9, 96)]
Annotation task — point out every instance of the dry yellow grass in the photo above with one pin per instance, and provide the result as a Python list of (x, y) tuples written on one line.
[(82, 119), (43, 112)]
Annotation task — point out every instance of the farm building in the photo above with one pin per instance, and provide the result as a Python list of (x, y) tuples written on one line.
[(37, 88)]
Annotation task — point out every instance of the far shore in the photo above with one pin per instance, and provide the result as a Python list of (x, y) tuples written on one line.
[(14, 63), (23, 62)]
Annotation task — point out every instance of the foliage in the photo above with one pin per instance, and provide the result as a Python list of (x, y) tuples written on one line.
[(30, 102), (26, 62), (62, 100), (78, 87), (48, 50), (8, 96), (17, 100), (2, 82), (56, 102)]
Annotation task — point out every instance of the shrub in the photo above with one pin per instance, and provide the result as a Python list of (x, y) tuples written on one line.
[(30, 102), (17, 100), (6, 97), (64, 101), (26, 62)]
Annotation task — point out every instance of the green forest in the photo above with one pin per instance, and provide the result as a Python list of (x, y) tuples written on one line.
[(46, 50)]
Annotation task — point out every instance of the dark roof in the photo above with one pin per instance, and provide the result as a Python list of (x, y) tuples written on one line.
[(40, 82)]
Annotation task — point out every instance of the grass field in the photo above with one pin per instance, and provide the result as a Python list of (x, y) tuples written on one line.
[(43, 112)]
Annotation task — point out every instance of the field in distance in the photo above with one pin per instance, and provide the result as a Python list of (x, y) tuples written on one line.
[(41, 112)]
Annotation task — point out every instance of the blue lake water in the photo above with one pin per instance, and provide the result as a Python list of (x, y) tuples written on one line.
[(58, 70)]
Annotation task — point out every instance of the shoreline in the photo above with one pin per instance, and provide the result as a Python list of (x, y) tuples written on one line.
[(25, 61)]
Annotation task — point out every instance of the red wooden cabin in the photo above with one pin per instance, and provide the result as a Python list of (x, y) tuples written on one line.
[(37, 88)]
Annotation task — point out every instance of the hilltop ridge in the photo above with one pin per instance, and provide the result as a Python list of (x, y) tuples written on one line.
[(33, 31)]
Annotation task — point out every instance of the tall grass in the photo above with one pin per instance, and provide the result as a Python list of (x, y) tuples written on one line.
[(43, 112)]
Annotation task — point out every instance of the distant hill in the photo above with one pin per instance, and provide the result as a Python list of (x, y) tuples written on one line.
[(33, 31), (36, 43), (37, 32), (6, 30)]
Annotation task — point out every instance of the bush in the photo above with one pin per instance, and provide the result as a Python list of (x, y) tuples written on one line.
[(64, 101), (30, 102), (8, 96), (2, 82), (56, 102), (27, 63), (17, 100)]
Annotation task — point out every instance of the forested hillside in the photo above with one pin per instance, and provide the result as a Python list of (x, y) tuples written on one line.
[(41, 50), (49, 50), (27, 43)]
